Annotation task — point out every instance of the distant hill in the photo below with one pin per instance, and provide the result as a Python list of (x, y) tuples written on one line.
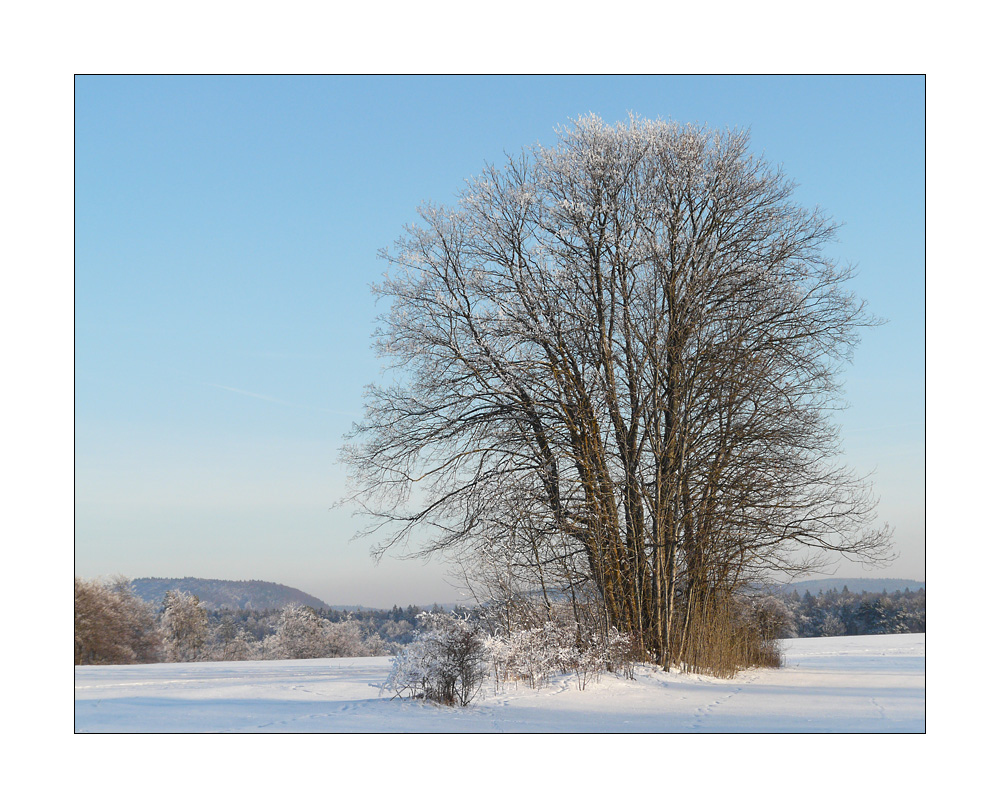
[(857, 585), (215, 594)]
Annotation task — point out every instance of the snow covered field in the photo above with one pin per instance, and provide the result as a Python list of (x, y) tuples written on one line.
[(840, 684)]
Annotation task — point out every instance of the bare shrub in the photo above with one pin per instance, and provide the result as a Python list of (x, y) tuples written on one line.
[(726, 634), (112, 625)]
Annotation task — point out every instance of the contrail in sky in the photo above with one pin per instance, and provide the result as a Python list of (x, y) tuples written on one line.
[(279, 401)]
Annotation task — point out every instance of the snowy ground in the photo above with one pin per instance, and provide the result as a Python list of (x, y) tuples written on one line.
[(841, 684)]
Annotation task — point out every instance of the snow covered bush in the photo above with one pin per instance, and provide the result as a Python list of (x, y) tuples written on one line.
[(772, 616), (303, 634), (535, 655), (832, 626), (445, 663), (619, 653), (231, 642), (347, 639), (184, 623), (300, 634), (451, 656)]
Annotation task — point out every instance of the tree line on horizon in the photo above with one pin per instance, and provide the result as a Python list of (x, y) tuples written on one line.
[(114, 626), (833, 613)]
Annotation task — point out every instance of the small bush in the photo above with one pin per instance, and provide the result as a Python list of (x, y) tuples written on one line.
[(534, 655), (445, 663)]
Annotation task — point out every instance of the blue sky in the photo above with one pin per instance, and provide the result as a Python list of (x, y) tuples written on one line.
[(226, 238)]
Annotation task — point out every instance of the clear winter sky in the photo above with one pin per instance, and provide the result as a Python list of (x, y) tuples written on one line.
[(226, 238)]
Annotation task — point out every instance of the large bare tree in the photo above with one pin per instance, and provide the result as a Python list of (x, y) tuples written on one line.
[(612, 367)]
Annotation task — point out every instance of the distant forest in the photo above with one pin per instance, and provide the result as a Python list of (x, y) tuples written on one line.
[(113, 625), (828, 607), (395, 626), (835, 614), (829, 613)]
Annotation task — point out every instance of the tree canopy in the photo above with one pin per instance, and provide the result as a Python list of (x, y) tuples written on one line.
[(612, 367)]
